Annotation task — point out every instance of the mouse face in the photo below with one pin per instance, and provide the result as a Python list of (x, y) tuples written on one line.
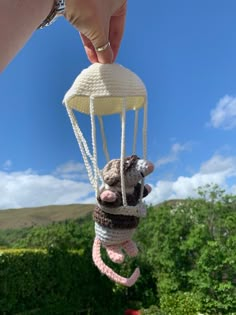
[(134, 170)]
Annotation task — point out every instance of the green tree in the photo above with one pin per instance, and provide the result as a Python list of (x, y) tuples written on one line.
[(68, 235), (190, 245), (187, 256)]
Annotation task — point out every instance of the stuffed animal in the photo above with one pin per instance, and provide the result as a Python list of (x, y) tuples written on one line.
[(115, 223)]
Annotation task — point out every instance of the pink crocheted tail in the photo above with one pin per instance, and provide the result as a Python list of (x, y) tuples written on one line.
[(108, 271)]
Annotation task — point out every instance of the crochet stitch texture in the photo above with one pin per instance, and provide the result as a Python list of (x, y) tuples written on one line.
[(108, 85), (107, 89), (115, 231)]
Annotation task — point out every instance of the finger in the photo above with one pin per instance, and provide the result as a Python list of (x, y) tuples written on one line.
[(116, 33), (90, 46), (100, 39), (106, 55), (89, 49), (117, 25)]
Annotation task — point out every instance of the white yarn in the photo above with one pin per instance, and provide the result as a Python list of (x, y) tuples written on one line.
[(122, 154), (135, 130), (104, 89), (144, 145), (79, 132), (79, 137), (109, 84), (145, 131), (104, 141), (94, 146), (113, 236)]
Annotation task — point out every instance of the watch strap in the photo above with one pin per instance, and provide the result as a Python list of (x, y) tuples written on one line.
[(57, 10)]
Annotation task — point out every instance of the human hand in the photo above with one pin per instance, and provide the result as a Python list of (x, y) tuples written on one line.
[(98, 22)]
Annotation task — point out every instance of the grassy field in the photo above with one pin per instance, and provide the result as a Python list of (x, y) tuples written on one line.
[(26, 217)]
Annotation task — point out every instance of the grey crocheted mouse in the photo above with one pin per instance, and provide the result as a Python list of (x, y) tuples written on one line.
[(116, 223)]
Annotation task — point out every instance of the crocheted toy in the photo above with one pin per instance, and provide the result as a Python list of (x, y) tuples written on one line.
[(106, 90), (115, 223)]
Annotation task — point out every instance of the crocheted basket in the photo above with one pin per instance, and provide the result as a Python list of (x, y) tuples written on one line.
[(108, 84)]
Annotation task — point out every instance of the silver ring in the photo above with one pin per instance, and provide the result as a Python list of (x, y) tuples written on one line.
[(104, 47)]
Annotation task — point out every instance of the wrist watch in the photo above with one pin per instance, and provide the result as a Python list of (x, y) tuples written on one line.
[(57, 11)]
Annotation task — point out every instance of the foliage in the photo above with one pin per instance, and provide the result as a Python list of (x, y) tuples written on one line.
[(187, 261), (53, 282), (191, 248), (180, 303), (152, 310), (9, 237), (68, 234)]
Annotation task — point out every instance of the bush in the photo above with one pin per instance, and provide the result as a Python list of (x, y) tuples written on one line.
[(190, 246), (152, 310), (187, 261), (181, 303), (65, 235), (54, 282)]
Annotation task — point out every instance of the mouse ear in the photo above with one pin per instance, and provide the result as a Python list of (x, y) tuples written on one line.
[(111, 172), (130, 161), (111, 180)]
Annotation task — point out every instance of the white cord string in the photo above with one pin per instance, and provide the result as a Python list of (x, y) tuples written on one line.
[(122, 155), (144, 143), (104, 141), (145, 130), (79, 139), (92, 170), (94, 145), (79, 132), (135, 130)]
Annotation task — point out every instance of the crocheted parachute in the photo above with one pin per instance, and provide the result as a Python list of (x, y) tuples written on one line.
[(103, 90)]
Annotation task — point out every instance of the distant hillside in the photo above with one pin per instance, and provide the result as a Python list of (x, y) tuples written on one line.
[(26, 217)]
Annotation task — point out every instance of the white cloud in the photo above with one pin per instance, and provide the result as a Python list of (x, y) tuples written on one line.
[(29, 189), (70, 167), (216, 170), (7, 165), (219, 164), (232, 190), (71, 170), (224, 114), (176, 149)]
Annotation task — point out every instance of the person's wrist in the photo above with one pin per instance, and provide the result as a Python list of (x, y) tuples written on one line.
[(57, 10)]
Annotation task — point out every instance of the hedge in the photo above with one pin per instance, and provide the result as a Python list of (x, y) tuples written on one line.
[(54, 282)]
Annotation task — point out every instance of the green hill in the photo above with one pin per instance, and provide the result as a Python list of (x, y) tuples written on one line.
[(27, 217), (37, 216)]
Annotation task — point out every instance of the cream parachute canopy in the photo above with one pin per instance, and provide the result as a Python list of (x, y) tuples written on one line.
[(100, 90)]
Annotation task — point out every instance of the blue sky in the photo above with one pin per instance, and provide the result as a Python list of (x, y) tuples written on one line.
[(185, 53)]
